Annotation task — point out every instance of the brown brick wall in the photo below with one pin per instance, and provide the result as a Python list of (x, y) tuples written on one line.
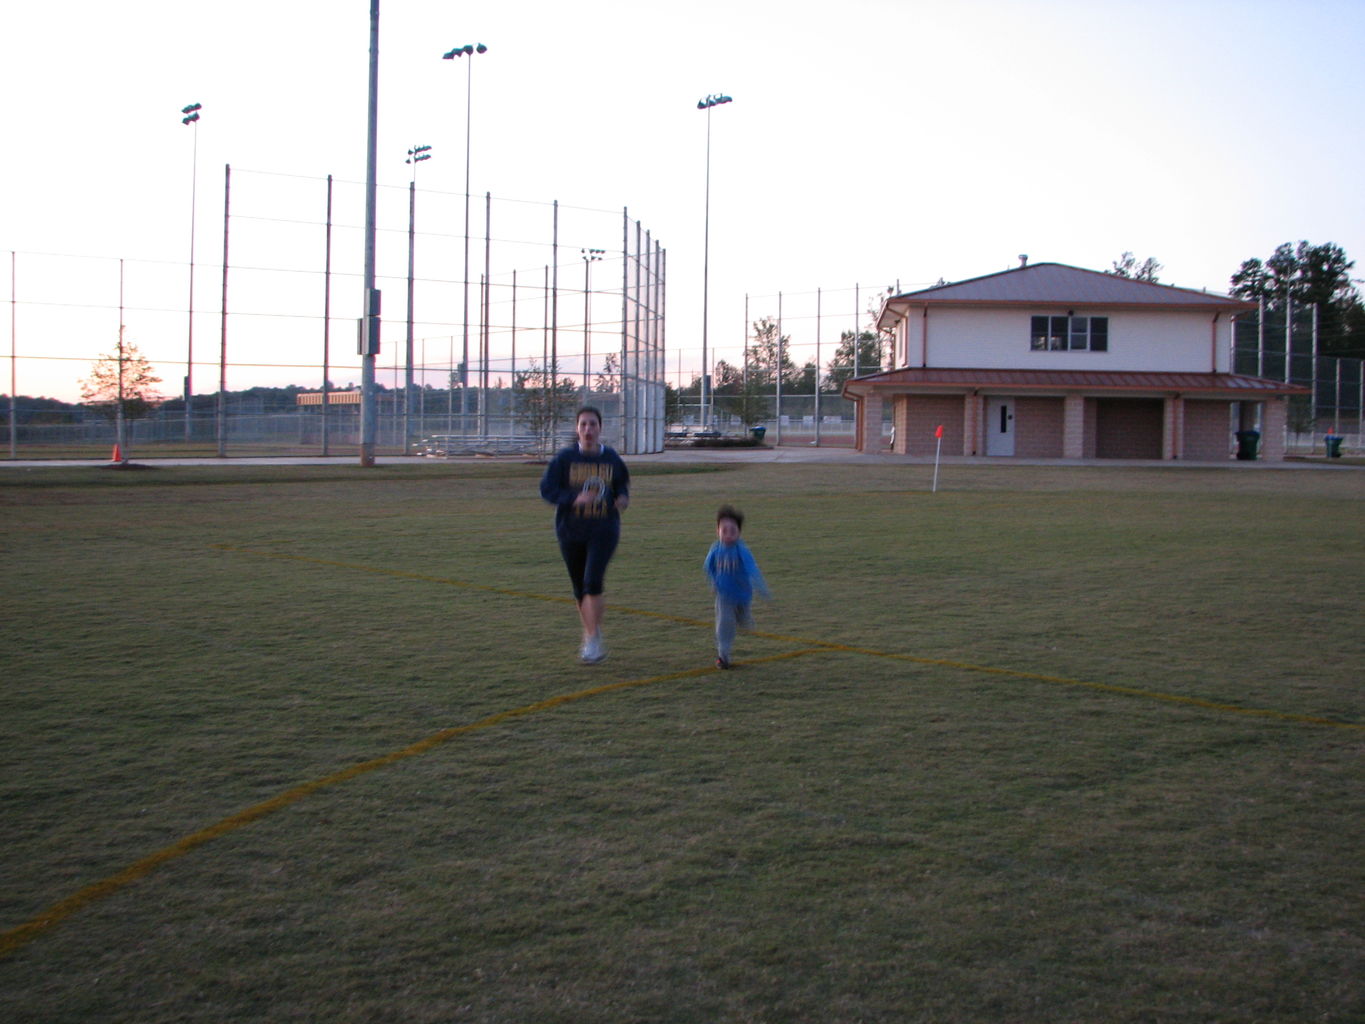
[(1106, 428), (923, 414), (1208, 430), (868, 432), (1129, 428), (1038, 427)]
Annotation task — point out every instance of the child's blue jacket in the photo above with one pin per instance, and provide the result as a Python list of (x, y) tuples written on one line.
[(734, 573)]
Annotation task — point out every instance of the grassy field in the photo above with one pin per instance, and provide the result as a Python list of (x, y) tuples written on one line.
[(1053, 744)]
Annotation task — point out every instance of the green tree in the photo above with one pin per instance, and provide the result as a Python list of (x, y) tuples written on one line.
[(1127, 265), (543, 399), (770, 356), (741, 396), (673, 412), (749, 391), (1351, 344), (688, 397), (29, 409), (850, 361), (1305, 275)]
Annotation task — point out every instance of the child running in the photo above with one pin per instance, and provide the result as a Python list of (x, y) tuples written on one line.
[(735, 576)]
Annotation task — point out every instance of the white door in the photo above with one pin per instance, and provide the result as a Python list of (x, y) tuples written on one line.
[(1000, 426)]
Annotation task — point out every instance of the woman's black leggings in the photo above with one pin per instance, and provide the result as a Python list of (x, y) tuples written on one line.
[(586, 559)]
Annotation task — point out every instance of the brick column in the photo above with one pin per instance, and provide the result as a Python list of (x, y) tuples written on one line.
[(973, 410), (871, 422), (900, 423), (1274, 417), (1073, 427), (1173, 428)]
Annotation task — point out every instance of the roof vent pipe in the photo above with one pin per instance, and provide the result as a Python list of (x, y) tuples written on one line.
[(1023, 259)]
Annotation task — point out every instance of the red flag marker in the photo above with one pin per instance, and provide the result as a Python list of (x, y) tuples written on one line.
[(938, 447)]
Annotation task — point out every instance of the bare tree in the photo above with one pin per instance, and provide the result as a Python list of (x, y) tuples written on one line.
[(122, 386), (1127, 265), (609, 379)]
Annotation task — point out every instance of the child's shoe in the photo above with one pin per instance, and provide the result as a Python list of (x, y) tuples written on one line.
[(722, 662)]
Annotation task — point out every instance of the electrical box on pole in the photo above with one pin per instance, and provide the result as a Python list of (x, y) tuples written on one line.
[(368, 344)]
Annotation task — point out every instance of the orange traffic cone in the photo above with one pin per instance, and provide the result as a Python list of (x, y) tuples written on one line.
[(117, 456)]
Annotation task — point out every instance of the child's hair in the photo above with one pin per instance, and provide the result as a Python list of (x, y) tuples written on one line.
[(590, 409), (730, 512)]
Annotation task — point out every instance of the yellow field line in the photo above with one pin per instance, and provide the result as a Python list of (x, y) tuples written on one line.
[(1127, 691), (403, 574), (14, 938)]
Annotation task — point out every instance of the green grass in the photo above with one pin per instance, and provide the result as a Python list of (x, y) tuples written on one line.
[(1052, 744)]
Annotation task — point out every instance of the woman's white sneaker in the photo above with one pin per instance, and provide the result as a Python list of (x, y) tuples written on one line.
[(593, 650)]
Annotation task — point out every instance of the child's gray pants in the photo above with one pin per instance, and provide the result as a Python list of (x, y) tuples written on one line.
[(729, 616)]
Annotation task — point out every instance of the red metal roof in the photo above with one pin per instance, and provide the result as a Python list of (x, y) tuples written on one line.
[(1055, 284), (1226, 385)]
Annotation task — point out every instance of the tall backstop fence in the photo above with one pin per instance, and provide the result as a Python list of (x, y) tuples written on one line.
[(495, 326), (494, 329), (783, 365), (1287, 345)]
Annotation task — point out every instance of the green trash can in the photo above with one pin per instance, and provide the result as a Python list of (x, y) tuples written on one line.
[(1247, 443), (758, 433), (1333, 446)]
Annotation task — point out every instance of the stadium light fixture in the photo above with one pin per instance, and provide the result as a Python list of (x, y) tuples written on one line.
[(706, 104), (416, 155), (468, 49)]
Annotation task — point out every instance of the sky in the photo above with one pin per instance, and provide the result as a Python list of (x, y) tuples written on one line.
[(876, 143)]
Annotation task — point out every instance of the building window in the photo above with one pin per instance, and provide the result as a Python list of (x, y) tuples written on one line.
[(1069, 333)]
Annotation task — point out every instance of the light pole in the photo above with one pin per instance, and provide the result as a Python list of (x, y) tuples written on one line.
[(706, 105), (468, 50), (415, 156), (190, 116), (371, 323), (13, 360), (589, 256)]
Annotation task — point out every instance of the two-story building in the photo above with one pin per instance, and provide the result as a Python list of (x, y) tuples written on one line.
[(1057, 362)]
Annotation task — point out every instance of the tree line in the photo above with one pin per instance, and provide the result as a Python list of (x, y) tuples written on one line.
[(748, 390)]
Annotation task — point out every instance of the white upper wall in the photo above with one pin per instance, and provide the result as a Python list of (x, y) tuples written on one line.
[(1139, 340)]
